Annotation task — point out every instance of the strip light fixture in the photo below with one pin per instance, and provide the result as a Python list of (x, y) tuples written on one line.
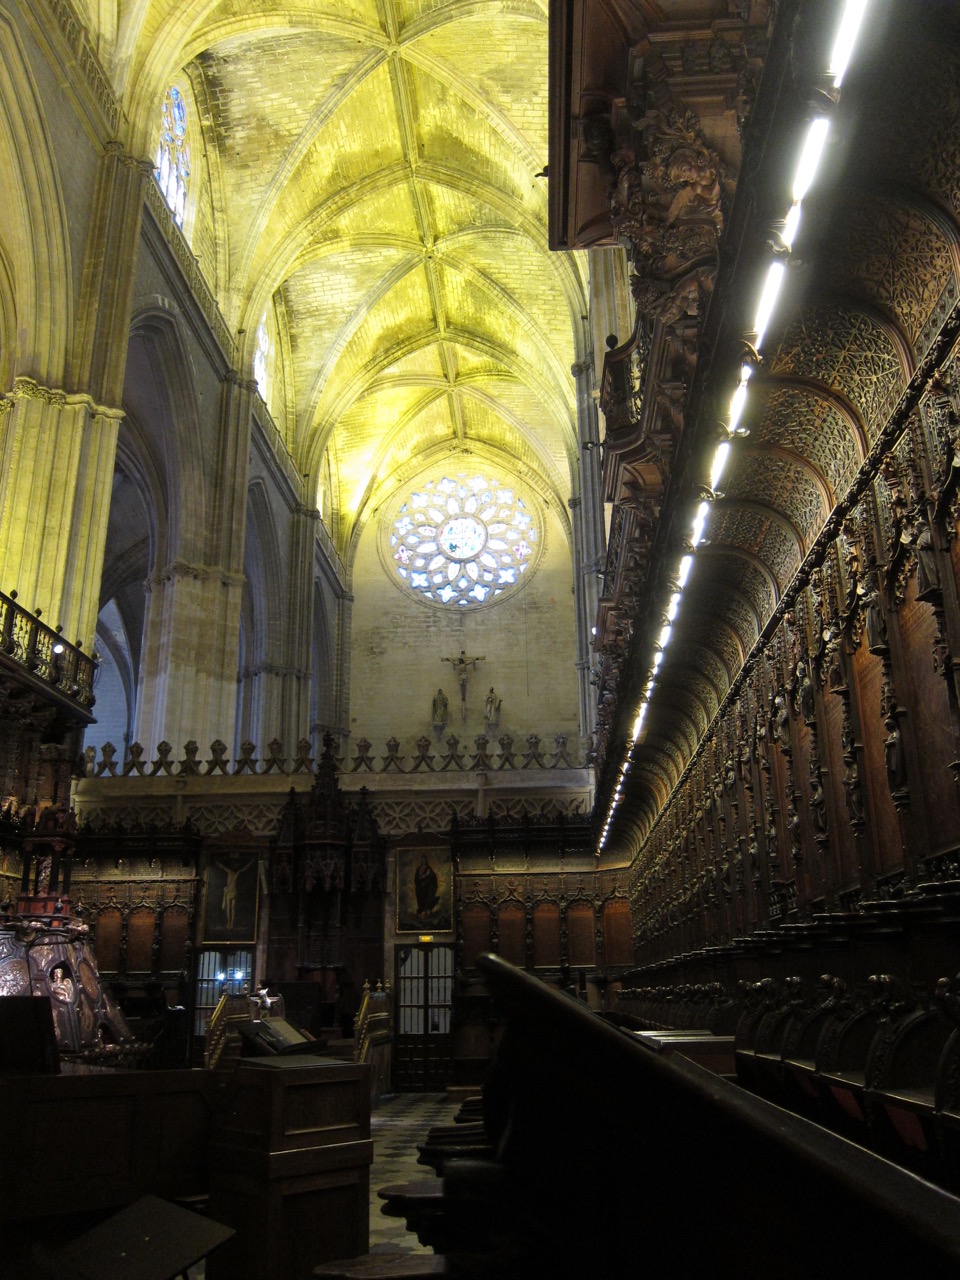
[(808, 164)]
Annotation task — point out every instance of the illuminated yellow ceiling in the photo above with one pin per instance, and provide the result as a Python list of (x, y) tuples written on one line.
[(375, 167)]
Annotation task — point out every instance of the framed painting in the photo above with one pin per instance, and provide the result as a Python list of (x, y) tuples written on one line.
[(231, 897), (424, 890)]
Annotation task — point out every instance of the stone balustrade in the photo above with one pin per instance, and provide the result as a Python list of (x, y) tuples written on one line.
[(451, 756)]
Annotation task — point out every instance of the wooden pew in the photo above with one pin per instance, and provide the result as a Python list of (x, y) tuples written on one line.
[(616, 1161)]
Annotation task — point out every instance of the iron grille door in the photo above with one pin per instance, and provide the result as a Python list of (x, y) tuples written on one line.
[(424, 993)]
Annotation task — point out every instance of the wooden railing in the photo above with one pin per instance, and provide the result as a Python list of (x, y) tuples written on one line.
[(42, 652), (230, 1010), (216, 1034), (373, 1037)]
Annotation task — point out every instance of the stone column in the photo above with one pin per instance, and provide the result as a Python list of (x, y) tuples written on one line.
[(99, 357), (58, 444), (298, 664), (57, 456), (344, 654), (190, 658), (188, 666), (588, 538)]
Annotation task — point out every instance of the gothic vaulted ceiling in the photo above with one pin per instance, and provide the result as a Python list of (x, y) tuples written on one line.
[(375, 169)]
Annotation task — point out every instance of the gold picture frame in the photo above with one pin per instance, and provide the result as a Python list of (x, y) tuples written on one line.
[(424, 890), (231, 897)]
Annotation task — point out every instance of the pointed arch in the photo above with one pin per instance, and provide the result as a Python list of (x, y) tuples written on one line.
[(35, 225), (160, 395)]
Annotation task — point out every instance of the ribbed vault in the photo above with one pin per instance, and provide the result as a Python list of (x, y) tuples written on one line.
[(376, 175)]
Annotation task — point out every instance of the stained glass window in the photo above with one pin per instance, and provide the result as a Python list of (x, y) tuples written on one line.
[(172, 164), (261, 357), (463, 540)]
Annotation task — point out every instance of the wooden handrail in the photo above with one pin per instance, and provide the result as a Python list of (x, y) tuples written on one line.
[(373, 1023), (216, 1034), (617, 1161)]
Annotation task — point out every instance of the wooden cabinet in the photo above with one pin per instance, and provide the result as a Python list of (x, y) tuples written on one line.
[(290, 1169), (92, 1139)]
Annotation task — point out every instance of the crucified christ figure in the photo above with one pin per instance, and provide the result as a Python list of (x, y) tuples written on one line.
[(460, 668)]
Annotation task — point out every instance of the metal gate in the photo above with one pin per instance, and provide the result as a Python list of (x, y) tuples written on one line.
[(424, 978)]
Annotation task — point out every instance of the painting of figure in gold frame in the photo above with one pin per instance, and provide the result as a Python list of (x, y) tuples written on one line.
[(231, 885), (424, 890)]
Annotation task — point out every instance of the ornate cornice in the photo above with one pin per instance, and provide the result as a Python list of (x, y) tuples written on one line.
[(271, 669), (25, 388), (179, 569), (237, 379)]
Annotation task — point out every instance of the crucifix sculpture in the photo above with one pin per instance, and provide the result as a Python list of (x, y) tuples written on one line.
[(460, 667)]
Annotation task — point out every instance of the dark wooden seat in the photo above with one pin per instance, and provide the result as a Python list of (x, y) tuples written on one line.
[(610, 1153), (420, 1203), (452, 1141), (471, 1110), (901, 1089)]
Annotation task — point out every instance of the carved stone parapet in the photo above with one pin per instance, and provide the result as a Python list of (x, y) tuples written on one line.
[(274, 760)]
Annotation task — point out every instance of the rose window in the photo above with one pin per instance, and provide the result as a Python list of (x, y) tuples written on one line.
[(463, 540)]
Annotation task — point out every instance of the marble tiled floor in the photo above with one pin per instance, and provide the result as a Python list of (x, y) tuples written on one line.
[(397, 1124)]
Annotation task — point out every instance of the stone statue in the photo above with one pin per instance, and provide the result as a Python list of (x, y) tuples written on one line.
[(438, 712), (491, 707)]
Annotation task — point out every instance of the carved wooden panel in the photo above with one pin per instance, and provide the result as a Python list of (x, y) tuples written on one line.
[(510, 923), (925, 91), (884, 822), (845, 350), (546, 934), (892, 254), (476, 932), (935, 790), (140, 931), (617, 933), (805, 424), (109, 927), (174, 938), (842, 846), (581, 934), (785, 485)]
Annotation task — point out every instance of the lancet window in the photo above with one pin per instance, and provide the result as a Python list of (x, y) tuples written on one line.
[(172, 162)]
